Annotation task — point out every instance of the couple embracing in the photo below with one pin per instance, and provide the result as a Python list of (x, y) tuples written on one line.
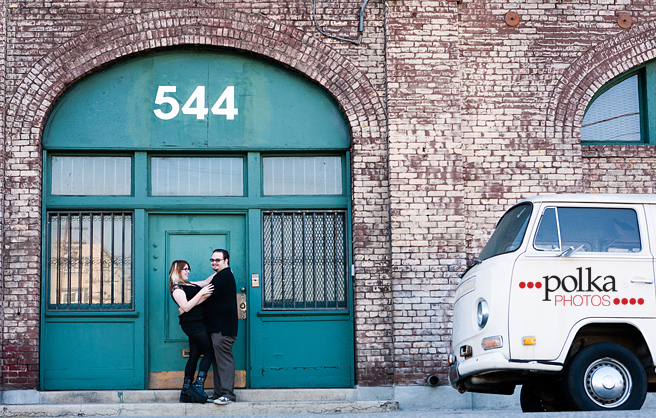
[(209, 318)]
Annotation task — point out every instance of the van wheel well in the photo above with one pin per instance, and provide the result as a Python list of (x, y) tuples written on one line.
[(625, 335)]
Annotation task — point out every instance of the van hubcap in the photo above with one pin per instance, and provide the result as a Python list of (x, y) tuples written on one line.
[(608, 382)]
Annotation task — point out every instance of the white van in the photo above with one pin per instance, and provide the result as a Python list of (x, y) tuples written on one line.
[(562, 302)]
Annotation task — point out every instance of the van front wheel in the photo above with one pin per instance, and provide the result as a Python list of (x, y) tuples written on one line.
[(605, 376), (543, 396)]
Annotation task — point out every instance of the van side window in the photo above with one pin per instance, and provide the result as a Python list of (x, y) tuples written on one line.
[(547, 236), (606, 230)]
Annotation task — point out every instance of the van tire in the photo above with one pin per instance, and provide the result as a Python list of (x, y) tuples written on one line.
[(603, 377), (530, 400), (543, 396)]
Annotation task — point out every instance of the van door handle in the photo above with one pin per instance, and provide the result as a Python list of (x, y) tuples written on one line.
[(645, 281)]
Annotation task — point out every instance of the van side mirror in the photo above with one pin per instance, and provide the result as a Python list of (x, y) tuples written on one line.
[(570, 251)]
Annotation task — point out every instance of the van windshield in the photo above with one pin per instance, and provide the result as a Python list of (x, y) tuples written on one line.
[(509, 233)]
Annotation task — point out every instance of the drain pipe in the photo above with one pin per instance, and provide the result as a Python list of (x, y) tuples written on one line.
[(360, 23), (433, 380)]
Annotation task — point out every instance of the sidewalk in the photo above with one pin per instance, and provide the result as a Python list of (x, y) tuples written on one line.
[(165, 403), (31, 403), (23, 403)]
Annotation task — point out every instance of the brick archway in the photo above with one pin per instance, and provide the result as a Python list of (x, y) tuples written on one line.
[(591, 71), (27, 113)]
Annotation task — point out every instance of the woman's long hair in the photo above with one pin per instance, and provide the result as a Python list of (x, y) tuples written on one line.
[(175, 274)]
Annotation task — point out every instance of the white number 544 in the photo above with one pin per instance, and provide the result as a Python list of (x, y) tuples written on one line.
[(195, 105)]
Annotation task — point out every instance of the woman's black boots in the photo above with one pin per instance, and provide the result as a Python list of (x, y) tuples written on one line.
[(194, 392), (197, 388), (185, 396)]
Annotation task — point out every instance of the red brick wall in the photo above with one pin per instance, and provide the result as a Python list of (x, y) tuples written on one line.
[(525, 89), (479, 114), (73, 42)]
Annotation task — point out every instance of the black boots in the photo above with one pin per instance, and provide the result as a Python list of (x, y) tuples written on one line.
[(199, 386), (185, 396), (194, 392)]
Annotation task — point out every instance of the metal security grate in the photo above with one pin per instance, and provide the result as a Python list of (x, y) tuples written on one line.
[(90, 261), (304, 260)]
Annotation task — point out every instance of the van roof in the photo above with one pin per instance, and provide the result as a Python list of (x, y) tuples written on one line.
[(594, 198)]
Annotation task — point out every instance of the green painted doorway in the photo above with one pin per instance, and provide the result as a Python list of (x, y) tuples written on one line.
[(180, 152), (191, 238)]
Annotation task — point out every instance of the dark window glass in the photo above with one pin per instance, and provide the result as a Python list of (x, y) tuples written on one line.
[(509, 233), (599, 229)]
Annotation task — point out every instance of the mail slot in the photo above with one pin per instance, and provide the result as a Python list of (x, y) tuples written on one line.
[(185, 353)]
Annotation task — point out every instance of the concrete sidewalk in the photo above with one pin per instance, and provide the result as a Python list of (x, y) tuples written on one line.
[(23, 403), (31, 403), (165, 403)]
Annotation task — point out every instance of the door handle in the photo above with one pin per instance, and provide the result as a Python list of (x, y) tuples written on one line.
[(645, 281), (241, 306)]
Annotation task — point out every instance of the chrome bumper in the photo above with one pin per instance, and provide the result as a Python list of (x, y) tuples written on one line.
[(454, 376), (495, 362)]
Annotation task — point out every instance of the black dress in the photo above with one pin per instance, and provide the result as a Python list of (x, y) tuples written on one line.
[(192, 321)]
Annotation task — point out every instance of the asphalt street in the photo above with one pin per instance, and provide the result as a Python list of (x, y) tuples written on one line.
[(645, 413)]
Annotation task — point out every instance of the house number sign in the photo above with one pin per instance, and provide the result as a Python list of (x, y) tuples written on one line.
[(195, 105)]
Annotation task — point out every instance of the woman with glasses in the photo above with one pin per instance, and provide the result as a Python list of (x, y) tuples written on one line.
[(188, 296)]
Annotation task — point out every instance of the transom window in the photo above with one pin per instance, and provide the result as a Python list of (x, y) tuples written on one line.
[(197, 176), (91, 176), (302, 175)]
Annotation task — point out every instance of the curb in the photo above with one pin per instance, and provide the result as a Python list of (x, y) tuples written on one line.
[(180, 409)]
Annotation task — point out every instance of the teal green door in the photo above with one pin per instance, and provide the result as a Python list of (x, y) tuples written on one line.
[(191, 238), (301, 314)]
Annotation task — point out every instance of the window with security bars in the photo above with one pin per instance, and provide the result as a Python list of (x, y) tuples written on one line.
[(304, 260), (90, 261)]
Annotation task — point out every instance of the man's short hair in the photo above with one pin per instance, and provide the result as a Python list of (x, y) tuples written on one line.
[(224, 253)]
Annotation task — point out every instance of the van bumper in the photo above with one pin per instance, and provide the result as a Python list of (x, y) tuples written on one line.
[(488, 373)]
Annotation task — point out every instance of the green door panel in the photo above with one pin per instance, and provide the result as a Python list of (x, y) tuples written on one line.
[(92, 353), (303, 350), (277, 109), (191, 238)]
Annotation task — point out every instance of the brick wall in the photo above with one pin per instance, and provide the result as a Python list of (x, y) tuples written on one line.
[(479, 114), (77, 40), (525, 91), (619, 169), (2, 147), (425, 181)]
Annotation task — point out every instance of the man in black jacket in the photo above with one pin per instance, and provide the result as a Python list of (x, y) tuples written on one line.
[(221, 320)]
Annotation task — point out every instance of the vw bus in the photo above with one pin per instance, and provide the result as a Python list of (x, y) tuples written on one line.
[(562, 302)]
